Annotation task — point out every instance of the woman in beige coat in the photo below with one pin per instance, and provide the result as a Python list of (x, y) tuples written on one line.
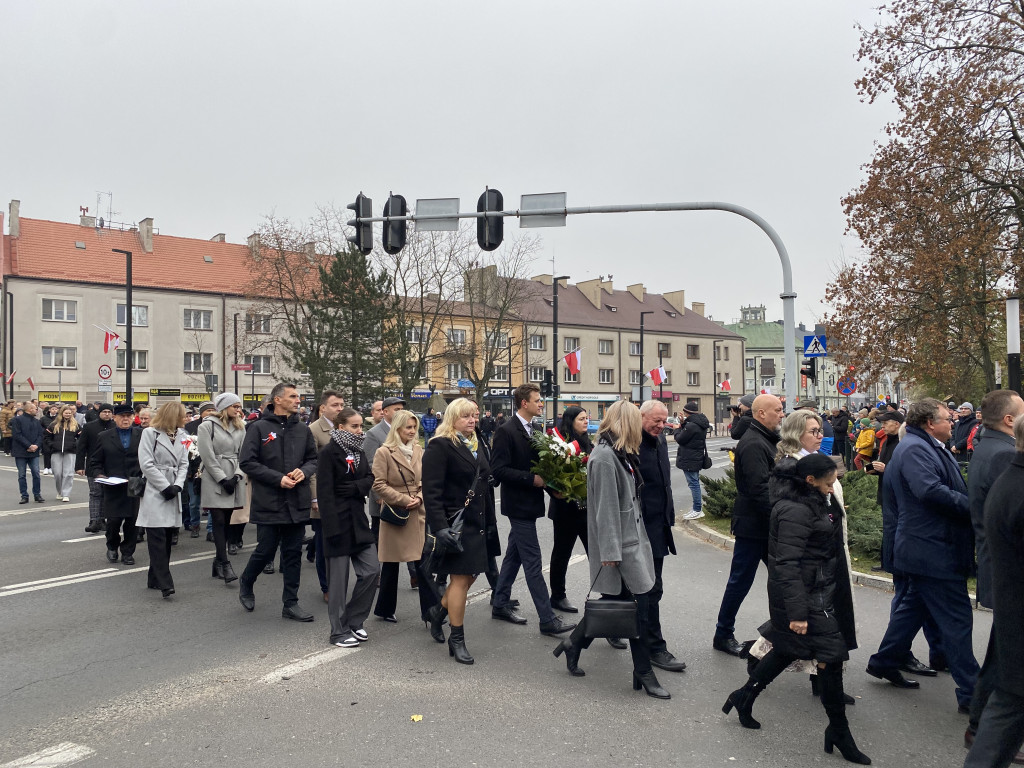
[(397, 472)]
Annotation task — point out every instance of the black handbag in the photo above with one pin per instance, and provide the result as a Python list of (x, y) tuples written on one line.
[(389, 514), (136, 486), (706, 464), (610, 617)]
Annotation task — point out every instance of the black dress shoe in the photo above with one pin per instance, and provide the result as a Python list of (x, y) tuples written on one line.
[(563, 604), (509, 614), (195, 532), (40, 499), (392, 619), (556, 627), (617, 643), (167, 592), (24, 500), (729, 645), (245, 596), (128, 560), (512, 603), (665, 660), (268, 568), (209, 537), (939, 665), (296, 613), (915, 667), (893, 676), (113, 555)]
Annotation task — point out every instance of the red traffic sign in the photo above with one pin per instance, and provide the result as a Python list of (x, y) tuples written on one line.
[(846, 385), (241, 366), (105, 372)]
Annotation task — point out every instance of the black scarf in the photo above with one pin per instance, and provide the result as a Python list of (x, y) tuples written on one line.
[(351, 442)]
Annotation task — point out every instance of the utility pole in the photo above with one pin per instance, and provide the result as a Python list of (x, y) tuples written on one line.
[(236, 353), (1013, 343), (554, 346), (642, 371), (128, 391)]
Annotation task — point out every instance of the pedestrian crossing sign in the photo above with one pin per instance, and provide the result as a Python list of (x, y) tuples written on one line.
[(814, 346)]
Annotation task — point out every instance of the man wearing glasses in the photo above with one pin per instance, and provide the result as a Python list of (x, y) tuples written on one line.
[(933, 550)]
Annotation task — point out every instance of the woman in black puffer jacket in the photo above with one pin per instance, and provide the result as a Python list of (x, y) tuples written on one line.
[(809, 595)]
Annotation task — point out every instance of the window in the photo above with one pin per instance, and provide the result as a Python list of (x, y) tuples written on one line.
[(259, 363), (718, 352), (604, 347), (571, 378), (140, 315), (500, 373), (414, 335), (536, 373), (748, 385), (498, 340), (257, 323), (692, 352), (140, 359), (664, 350), (748, 364), (199, 319), (725, 353), (572, 343), (59, 357), (635, 377), (456, 337), (198, 361), (456, 371), (634, 348), (667, 381), (692, 379), (538, 343), (60, 310), (604, 376)]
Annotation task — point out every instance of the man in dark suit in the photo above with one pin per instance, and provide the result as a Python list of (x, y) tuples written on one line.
[(86, 442), (116, 454), (522, 502)]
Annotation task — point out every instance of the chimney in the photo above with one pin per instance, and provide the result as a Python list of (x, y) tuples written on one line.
[(544, 279), (607, 287), (592, 290), (15, 211), (220, 237), (698, 307), (638, 291), (146, 234), (88, 221), (677, 299), (253, 241), (310, 250)]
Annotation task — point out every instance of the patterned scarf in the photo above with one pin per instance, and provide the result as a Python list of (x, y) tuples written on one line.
[(351, 442), (470, 443)]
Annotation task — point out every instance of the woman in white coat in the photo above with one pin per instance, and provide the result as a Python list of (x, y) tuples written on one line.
[(163, 459), (223, 491)]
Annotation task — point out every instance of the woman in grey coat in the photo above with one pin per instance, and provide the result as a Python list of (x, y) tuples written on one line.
[(223, 488), (163, 458), (621, 563)]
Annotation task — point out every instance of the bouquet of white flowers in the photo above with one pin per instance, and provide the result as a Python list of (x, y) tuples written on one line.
[(562, 465)]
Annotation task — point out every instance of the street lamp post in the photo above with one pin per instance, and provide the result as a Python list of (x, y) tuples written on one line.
[(10, 343), (236, 353), (1013, 342), (642, 371), (510, 340), (128, 391), (554, 346)]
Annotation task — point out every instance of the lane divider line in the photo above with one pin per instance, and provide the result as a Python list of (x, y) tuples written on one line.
[(65, 753), (55, 578), (306, 663), (79, 578), (29, 510)]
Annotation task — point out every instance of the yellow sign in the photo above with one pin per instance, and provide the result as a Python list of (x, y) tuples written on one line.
[(140, 397), (57, 397), (195, 397)]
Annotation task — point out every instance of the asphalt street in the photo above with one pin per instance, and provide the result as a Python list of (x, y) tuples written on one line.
[(97, 670)]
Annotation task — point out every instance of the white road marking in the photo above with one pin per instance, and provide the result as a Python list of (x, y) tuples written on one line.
[(65, 753), (93, 537), (56, 578), (305, 664), (29, 509), (480, 594)]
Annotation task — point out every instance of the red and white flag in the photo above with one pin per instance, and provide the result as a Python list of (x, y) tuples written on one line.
[(11, 377), (766, 391), (31, 384), (726, 386), (110, 340), (572, 361), (657, 375)]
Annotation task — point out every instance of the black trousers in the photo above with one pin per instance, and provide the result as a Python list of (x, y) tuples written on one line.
[(567, 528), (655, 640), (986, 683), (387, 597), (289, 538), (219, 521), (1000, 733), (114, 534), (158, 542), (639, 648)]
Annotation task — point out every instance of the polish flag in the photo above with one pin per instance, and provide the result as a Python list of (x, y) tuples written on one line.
[(31, 384), (110, 340), (766, 391), (572, 360), (11, 377), (657, 375), (726, 386)]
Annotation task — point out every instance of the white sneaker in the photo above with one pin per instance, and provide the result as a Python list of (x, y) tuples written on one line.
[(347, 642), (361, 635), (693, 514), (47, 471), (66, 498)]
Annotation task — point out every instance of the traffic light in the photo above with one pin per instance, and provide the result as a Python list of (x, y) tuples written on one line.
[(363, 237), (394, 231), (809, 370), (490, 230), (547, 387)]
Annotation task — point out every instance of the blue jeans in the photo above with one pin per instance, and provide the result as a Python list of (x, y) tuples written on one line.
[(747, 554), (191, 512), (32, 464), (693, 480)]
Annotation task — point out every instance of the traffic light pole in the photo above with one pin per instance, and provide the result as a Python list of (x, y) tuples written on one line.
[(788, 295)]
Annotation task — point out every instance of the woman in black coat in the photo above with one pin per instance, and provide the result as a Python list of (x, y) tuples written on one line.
[(569, 518), (809, 595), (455, 473), (692, 440), (343, 479)]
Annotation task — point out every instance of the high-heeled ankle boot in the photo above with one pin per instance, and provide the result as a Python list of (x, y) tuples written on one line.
[(743, 699), (650, 684), (572, 657), (437, 615), (830, 681), (228, 571), (218, 570), (457, 646)]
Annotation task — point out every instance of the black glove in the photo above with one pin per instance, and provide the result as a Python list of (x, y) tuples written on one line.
[(448, 540), (228, 484), (170, 491)]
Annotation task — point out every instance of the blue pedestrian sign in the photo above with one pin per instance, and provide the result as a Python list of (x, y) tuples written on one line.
[(814, 346)]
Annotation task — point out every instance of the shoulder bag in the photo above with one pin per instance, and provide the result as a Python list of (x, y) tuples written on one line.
[(434, 552), (706, 464), (389, 514), (609, 617)]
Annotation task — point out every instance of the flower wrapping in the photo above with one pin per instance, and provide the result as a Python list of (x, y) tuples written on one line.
[(562, 465)]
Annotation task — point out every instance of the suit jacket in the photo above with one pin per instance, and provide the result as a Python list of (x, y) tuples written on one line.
[(992, 455), (109, 458), (512, 455), (375, 439), (89, 435), (321, 431)]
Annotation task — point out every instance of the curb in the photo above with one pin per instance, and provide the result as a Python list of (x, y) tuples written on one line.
[(720, 540)]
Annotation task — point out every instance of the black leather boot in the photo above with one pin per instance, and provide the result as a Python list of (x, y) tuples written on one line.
[(767, 669), (572, 657), (457, 646), (650, 684), (830, 681), (228, 571), (218, 570), (437, 615)]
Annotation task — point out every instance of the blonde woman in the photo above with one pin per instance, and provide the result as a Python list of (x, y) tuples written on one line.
[(621, 561), (61, 440), (397, 481), (220, 439), (455, 470), (163, 459)]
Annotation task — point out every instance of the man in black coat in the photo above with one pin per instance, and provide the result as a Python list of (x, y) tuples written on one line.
[(993, 454), (26, 447), (754, 461), (522, 502), (962, 430), (1001, 730), (86, 441), (659, 513), (742, 417), (115, 454), (279, 456), (840, 421)]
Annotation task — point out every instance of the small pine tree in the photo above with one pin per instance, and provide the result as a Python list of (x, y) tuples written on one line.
[(720, 495), (863, 515)]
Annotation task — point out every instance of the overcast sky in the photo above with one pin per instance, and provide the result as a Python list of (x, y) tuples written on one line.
[(209, 115)]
